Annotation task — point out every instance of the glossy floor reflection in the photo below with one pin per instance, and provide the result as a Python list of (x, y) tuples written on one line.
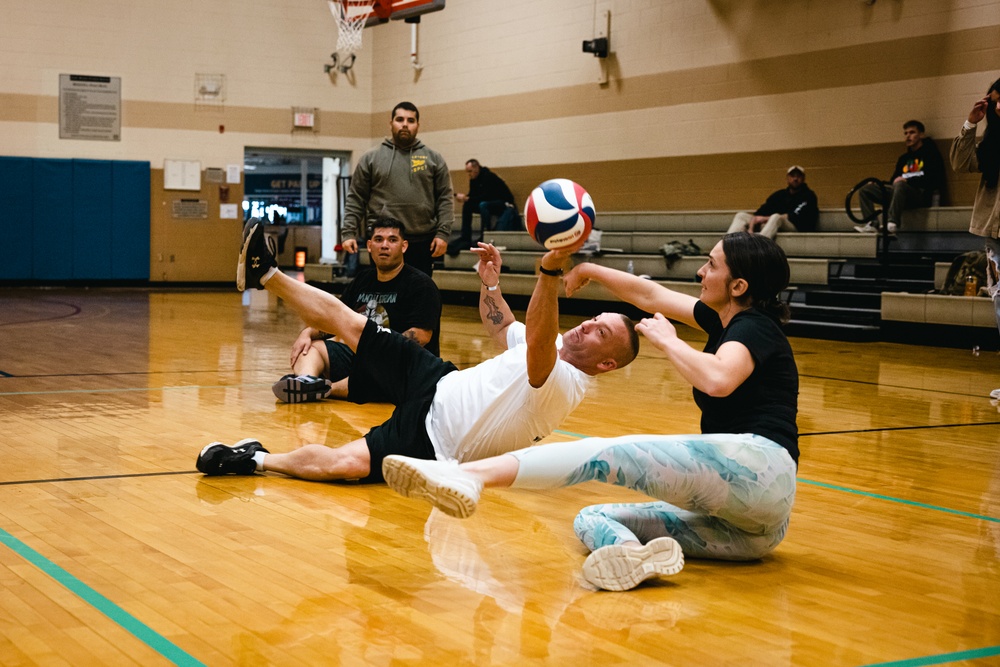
[(113, 550)]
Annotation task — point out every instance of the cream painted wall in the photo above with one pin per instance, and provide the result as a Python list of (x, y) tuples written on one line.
[(482, 50), (475, 53), (271, 52), (707, 100)]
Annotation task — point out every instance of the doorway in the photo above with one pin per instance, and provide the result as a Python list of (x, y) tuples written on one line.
[(300, 193)]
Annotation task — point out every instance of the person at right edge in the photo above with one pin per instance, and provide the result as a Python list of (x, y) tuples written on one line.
[(968, 156)]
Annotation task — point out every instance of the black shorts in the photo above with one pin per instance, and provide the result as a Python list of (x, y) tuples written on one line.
[(407, 375), (341, 357)]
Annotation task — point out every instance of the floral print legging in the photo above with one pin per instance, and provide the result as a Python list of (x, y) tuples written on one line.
[(723, 496)]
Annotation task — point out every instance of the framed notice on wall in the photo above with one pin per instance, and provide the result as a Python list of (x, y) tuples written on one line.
[(90, 107), (181, 175)]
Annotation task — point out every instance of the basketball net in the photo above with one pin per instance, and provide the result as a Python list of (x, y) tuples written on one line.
[(351, 16)]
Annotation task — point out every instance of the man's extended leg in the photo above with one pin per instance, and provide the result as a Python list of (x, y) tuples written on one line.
[(317, 463), (318, 309), (257, 269)]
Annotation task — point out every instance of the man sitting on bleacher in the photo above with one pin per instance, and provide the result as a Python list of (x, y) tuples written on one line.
[(790, 209), (918, 175)]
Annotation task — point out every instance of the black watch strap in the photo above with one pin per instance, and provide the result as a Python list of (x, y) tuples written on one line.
[(550, 272)]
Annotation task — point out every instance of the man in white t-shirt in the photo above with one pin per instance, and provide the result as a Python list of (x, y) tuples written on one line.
[(505, 403)]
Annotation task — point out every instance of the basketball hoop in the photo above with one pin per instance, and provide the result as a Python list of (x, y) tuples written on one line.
[(351, 17)]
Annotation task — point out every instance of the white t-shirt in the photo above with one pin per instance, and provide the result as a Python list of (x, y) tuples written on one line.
[(491, 408)]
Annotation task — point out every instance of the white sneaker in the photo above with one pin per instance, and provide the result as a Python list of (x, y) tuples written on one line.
[(619, 567), (867, 228), (441, 483), (995, 394)]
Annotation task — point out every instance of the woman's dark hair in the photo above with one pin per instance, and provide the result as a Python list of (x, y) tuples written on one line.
[(988, 151), (762, 264)]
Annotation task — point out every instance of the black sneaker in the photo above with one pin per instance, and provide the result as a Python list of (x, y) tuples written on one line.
[(219, 459), (300, 388), (257, 256)]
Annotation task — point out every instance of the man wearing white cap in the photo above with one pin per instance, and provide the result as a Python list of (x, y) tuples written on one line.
[(790, 209)]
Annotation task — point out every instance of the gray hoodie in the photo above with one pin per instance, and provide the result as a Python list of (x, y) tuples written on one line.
[(410, 184)]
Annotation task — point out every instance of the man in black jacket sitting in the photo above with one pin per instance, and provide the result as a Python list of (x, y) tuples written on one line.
[(489, 196), (790, 209)]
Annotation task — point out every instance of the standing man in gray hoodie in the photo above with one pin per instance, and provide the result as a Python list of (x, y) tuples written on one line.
[(403, 179)]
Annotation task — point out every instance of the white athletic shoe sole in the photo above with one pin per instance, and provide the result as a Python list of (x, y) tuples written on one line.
[(618, 567), (439, 483), (241, 268)]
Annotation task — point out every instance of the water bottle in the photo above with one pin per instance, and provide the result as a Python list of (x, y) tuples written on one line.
[(971, 285), (631, 267)]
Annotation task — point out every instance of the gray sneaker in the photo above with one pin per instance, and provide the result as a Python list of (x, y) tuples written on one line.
[(620, 567), (441, 483), (300, 389), (257, 256), (867, 228)]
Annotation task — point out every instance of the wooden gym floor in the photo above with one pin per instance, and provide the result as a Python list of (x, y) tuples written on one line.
[(115, 551)]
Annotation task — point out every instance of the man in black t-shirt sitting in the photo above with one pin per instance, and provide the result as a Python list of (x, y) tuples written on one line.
[(392, 295)]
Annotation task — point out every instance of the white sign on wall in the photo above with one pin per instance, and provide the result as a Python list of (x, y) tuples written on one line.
[(181, 174), (90, 107)]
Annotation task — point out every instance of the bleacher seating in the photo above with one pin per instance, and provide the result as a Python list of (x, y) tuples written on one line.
[(815, 258)]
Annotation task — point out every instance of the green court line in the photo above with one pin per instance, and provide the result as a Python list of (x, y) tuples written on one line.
[(903, 501), (943, 658), (130, 623)]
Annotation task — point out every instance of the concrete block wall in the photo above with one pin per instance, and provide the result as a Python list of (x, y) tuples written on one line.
[(699, 112)]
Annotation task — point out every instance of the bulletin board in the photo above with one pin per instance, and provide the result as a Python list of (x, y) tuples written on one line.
[(181, 175)]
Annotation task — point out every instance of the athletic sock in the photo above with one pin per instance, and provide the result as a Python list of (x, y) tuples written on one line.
[(258, 458), (267, 276)]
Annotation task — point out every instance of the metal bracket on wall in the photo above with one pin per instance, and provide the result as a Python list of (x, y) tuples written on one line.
[(603, 30)]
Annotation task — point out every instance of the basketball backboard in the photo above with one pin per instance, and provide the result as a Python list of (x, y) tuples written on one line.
[(353, 16), (401, 10)]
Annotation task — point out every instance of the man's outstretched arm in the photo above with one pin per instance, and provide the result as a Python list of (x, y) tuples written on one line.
[(542, 319)]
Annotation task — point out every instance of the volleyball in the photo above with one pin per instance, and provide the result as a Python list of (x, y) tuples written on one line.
[(559, 213)]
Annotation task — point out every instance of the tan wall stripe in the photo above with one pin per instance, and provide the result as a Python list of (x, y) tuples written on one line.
[(961, 52)]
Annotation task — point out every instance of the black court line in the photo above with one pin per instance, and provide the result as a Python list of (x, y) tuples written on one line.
[(113, 373), (93, 477), (6, 375), (872, 383), (900, 428), (76, 311)]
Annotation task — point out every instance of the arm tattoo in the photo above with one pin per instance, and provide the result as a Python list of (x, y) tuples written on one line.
[(493, 313), (409, 334)]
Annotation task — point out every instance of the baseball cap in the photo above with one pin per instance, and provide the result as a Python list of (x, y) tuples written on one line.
[(797, 168)]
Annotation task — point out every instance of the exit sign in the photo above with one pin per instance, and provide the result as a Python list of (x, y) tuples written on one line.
[(306, 119)]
